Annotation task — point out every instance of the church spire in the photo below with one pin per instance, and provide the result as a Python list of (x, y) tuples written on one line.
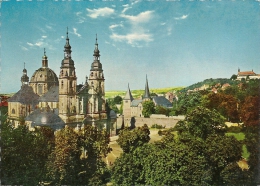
[(67, 47), (24, 78), (96, 51), (128, 95), (44, 60), (147, 92)]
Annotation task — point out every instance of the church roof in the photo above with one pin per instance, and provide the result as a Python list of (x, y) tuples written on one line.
[(162, 101), (146, 92), (51, 96), (128, 95), (45, 118), (44, 74), (247, 73), (136, 102), (25, 96)]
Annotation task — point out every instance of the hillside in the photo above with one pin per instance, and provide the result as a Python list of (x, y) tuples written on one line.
[(210, 82)]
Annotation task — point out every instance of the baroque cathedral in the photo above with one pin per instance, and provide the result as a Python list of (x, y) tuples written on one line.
[(55, 101)]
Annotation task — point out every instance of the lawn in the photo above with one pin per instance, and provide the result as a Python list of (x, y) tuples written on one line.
[(240, 136)]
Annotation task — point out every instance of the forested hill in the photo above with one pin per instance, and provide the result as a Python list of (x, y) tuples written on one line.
[(209, 82)]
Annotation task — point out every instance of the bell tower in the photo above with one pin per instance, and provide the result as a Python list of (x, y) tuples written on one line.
[(96, 103), (24, 78), (67, 85)]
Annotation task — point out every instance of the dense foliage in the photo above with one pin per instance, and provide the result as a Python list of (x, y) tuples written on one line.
[(68, 157), (24, 154), (148, 108)]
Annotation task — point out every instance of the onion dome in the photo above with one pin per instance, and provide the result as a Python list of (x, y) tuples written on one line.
[(96, 65), (96, 51), (67, 47)]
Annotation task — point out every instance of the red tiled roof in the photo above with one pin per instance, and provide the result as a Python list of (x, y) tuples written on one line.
[(4, 104), (245, 73)]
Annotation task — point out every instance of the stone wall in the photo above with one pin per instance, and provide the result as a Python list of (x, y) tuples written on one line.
[(140, 121)]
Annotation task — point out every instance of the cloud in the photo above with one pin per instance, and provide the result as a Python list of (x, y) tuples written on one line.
[(140, 18), (111, 27), (181, 18), (23, 48), (49, 27), (127, 6), (81, 19), (30, 44), (136, 27), (44, 37), (75, 32), (132, 38), (39, 44), (100, 12)]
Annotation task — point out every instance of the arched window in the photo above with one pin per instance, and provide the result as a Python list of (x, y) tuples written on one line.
[(40, 89), (13, 111), (62, 84), (61, 72)]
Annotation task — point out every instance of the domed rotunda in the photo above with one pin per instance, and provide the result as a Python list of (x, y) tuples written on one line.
[(43, 78)]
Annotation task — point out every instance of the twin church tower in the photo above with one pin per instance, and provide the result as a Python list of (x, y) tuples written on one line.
[(47, 93)]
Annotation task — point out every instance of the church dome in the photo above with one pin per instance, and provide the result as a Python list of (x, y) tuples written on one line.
[(45, 118), (43, 78), (44, 74)]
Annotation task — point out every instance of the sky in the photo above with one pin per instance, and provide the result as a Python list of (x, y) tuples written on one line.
[(174, 43)]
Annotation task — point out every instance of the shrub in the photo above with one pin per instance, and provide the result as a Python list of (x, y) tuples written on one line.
[(156, 126)]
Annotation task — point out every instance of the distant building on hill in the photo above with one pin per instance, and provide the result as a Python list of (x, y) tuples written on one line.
[(247, 75)]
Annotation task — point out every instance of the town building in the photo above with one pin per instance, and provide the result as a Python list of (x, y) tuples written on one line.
[(247, 75)]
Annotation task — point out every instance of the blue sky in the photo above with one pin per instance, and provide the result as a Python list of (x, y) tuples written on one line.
[(176, 43)]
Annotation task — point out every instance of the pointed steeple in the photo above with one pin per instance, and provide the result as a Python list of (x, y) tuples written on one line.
[(128, 95), (147, 92), (67, 47), (24, 78), (44, 60), (96, 51)]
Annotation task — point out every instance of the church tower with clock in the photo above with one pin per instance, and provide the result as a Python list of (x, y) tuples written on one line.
[(67, 86)]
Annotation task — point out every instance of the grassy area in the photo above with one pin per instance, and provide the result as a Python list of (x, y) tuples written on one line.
[(139, 93), (245, 153), (240, 136)]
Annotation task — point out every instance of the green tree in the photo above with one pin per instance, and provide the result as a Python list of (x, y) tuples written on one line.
[(131, 139), (24, 154), (64, 163), (77, 158), (118, 100), (202, 122), (162, 110), (222, 151), (148, 108), (233, 77)]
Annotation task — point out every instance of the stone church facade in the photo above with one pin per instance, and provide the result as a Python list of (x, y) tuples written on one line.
[(60, 95), (134, 107)]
